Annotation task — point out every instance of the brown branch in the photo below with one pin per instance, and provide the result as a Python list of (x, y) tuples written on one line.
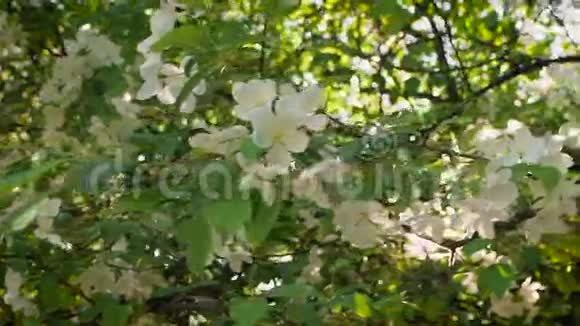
[(522, 69), (442, 58)]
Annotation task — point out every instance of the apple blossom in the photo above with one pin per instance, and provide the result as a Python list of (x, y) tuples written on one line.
[(224, 142), (362, 223), (13, 281)]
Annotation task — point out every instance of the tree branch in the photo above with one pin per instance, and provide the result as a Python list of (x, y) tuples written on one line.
[(522, 69)]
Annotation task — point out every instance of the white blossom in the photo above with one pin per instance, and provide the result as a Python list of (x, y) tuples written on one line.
[(486, 258), (551, 206), (311, 272), (310, 182), (424, 249), (469, 281), (134, 284), (362, 223), (277, 119), (522, 303), (308, 218), (224, 142), (260, 176), (363, 65), (13, 281), (571, 132), (421, 221), (98, 278), (125, 107), (114, 133), (253, 95), (166, 82), (479, 214), (121, 245), (161, 22), (87, 53), (236, 255), (11, 35), (46, 210)]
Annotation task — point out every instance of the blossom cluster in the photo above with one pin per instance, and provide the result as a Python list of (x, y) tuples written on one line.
[(511, 147), (163, 80), (84, 55)]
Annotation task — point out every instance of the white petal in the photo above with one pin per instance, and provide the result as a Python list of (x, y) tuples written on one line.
[(150, 68), (169, 93), (278, 155), (165, 96), (145, 45), (251, 113), (296, 141), (168, 69), (316, 123), (288, 109), (263, 122), (162, 21), (313, 98), (149, 88), (200, 88), (189, 104), (268, 193), (263, 137), (502, 195), (287, 89), (253, 94)]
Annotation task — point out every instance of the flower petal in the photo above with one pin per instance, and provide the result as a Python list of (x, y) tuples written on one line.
[(263, 137), (189, 104), (149, 88), (200, 88), (296, 141), (255, 92), (316, 123), (279, 155)]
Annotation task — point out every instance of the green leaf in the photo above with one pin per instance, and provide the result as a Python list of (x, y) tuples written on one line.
[(549, 175), (23, 216), (187, 88), (115, 314), (412, 86), (52, 296), (112, 312), (296, 291), (250, 150), (164, 144), (391, 307), (82, 177), (303, 314), (9, 182), (565, 282), (23, 219), (248, 312), (496, 279), (259, 227), (476, 245), (434, 308), (279, 8), (219, 36), (362, 305), (182, 37), (147, 201), (228, 216), (397, 17), (529, 259), (31, 322), (196, 234)]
